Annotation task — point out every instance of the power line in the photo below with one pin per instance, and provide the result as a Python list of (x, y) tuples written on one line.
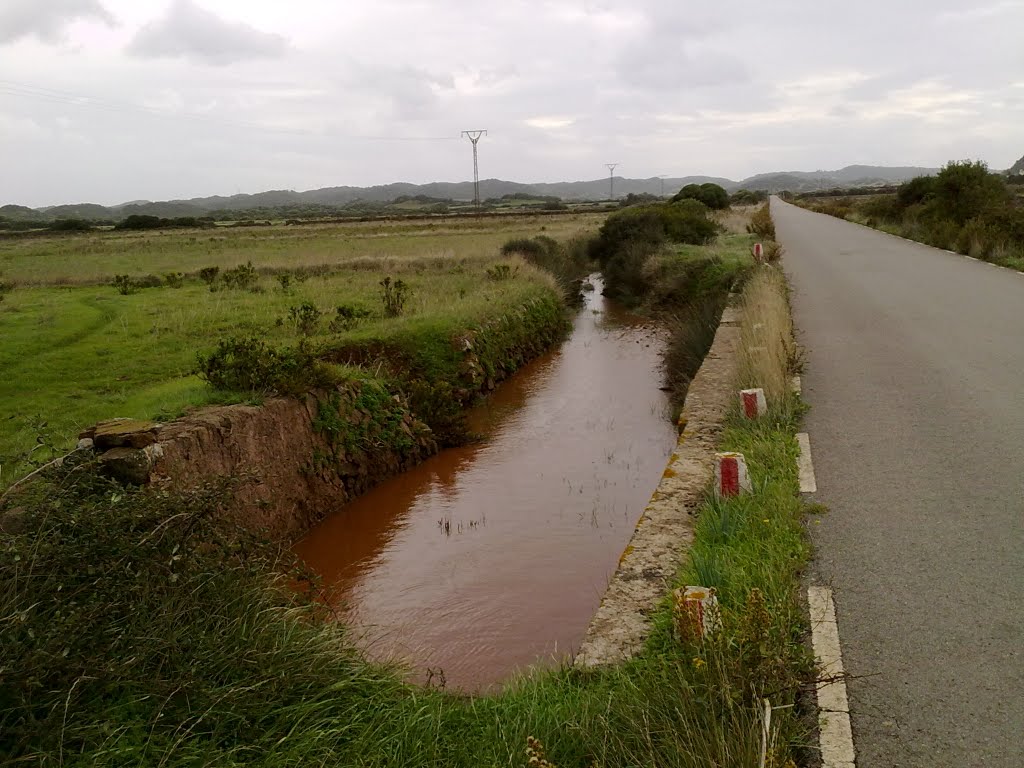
[(474, 136), (8, 88)]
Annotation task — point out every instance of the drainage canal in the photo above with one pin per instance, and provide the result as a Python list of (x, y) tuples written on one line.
[(492, 557)]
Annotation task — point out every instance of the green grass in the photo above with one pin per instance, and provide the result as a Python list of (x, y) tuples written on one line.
[(77, 354), (97, 257)]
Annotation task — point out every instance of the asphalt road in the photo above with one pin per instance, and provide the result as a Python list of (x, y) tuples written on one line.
[(915, 375)]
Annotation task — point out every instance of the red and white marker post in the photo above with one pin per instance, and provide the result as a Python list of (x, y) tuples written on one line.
[(759, 253), (696, 613), (752, 403), (731, 476)]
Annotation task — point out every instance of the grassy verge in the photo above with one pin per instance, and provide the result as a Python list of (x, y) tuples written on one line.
[(136, 629)]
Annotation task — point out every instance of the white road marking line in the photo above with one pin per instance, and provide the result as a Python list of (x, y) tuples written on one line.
[(835, 734), (805, 466), (797, 387)]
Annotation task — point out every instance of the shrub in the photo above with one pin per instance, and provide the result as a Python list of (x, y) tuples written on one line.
[(920, 189), (501, 272), (5, 288), (174, 279), (761, 223), (149, 281), (628, 237), (249, 364), (880, 208), (748, 197), (209, 274), (569, 263), (305, 318), (393, 294), (687, 222), (965, 190), (524, 247), (71, 225), (639, 224), (241, 277), (285, 280), (347, 317), (140, 221), (124, 284), (711, 195)]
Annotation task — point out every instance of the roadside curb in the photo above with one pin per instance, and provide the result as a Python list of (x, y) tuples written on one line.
[(664, 532)]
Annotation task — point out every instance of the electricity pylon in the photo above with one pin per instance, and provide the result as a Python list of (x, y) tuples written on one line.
[(474, 136), (611, 179)]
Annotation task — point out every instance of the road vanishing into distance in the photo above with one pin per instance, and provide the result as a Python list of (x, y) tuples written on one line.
[(915, 377)]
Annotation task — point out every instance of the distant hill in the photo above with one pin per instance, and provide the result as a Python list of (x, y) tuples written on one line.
[(596, 189), (18, 212), (850, 176), (77, 211), (1017, 169)]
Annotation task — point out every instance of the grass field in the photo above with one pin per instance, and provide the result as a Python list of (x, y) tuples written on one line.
[(97, 257), (77, 351)]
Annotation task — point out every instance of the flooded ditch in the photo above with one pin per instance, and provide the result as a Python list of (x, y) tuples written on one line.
[(492, 557)]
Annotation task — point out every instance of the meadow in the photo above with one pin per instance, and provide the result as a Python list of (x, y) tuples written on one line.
[(78, 349)]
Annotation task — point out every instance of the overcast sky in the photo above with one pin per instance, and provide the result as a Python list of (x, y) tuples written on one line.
[(114, 100)]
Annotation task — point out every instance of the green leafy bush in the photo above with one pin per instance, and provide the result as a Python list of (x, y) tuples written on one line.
[(761, 223), (250, 365), (525, 247), (347, 316), (965, 190), (393, 294), (71, 225), (305, 318), (241, 277), (209, 274), (149, 281), (174, 279), (124, 284), (712, 195)]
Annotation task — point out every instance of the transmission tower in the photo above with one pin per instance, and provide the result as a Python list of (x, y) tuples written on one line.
[(474, 136), (611, 179)]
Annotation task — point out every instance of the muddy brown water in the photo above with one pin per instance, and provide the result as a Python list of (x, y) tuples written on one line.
[(492, 557)]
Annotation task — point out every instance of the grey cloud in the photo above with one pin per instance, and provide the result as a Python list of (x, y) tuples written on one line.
[(409, 93), (675, 49), (643, 67), (191, 32), (46, 20)]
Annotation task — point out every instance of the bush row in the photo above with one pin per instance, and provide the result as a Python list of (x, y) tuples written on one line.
[(964, 208)]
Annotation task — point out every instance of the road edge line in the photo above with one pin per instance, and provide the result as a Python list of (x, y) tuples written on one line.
[(805, 466), (835, 732)]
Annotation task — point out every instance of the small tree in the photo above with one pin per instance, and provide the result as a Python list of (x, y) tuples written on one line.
[(965, 190)]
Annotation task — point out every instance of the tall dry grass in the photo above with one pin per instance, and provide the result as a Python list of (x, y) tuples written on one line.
[(768, 352)]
